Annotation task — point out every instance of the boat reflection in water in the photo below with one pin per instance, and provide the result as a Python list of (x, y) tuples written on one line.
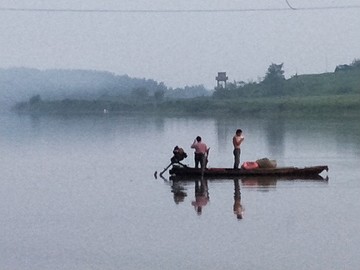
[(266, 182), (202, 198)]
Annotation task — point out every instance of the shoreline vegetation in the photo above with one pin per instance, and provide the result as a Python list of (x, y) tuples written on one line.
[(321, 105), (333, 93)]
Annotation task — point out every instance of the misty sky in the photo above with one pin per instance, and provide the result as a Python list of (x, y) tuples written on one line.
[(181, 48)]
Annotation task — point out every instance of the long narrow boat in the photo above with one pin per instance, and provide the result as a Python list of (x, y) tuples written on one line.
[(184, 171)]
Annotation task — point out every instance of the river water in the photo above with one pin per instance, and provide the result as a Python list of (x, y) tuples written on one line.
[(79, 192)]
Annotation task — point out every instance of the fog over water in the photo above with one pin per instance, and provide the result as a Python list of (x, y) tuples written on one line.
[(78, 192)]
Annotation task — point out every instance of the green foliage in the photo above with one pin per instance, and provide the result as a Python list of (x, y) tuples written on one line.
[(273, 83), (222, 93), (274, 73), (356, 63), (331, 93), (159, 95), (140, 93), (187, 92)]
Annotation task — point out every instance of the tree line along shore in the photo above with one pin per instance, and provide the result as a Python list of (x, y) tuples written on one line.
[(335, 93)]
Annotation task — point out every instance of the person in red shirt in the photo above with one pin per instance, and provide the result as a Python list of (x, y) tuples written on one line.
[(201, 150)]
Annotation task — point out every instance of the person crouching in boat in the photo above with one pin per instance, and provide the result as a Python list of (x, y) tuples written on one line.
[(201, 151), (179, 155)]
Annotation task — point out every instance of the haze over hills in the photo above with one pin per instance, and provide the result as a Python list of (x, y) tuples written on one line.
[(20, 84), (80, 90)]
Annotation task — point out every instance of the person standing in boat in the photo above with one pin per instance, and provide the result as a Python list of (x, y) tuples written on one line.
[(201, 151), (237, 140)]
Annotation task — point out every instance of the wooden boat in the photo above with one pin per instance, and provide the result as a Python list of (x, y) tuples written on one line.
[(184, 171)]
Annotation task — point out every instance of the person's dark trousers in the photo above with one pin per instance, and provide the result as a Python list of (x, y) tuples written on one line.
[(199, 159), (236, 158)]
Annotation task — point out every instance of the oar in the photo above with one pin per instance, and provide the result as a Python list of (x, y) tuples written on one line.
[(204, 162), (166, 169), (172, 163)]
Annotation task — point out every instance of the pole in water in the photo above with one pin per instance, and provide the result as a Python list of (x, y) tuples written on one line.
[(166, 169), (204, 162)]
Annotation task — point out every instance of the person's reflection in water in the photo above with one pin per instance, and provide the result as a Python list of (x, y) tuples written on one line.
[(201, 195), (177, 189), (238, 208), (179, 192)]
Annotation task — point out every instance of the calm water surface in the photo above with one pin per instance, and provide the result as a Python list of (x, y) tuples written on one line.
[(80, 193)]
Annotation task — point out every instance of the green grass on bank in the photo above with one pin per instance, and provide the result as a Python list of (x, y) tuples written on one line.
[(334, 104), (335, 83), (342, 104)]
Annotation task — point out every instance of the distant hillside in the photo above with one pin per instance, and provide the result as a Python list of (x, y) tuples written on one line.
[(345, 80), (77, 91), (335, 83), (19, 84)]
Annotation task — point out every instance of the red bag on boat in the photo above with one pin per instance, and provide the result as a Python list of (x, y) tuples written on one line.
[(249, 165)]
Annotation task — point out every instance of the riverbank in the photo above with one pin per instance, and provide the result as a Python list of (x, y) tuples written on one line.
[(332, 104)]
